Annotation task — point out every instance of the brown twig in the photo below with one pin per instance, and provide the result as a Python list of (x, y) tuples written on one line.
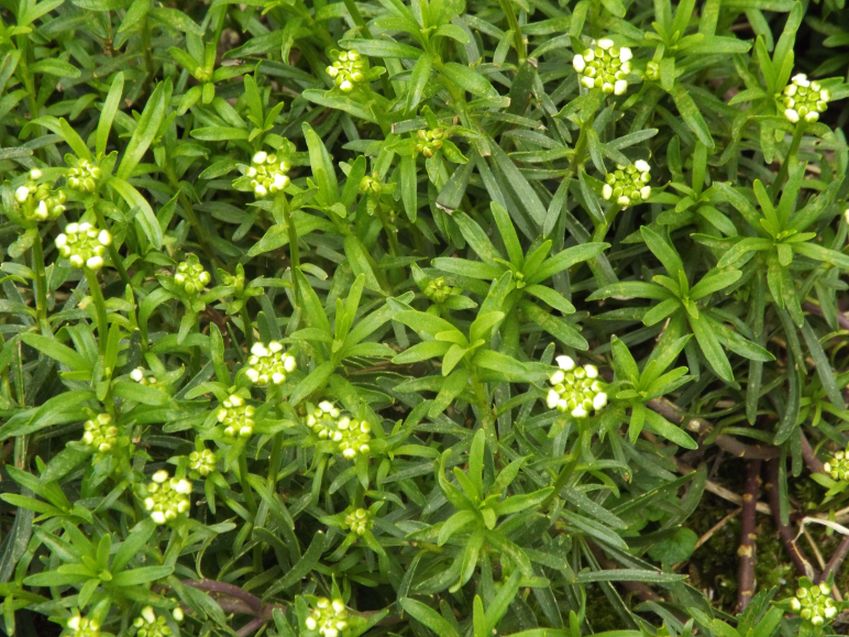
[(802, 563), (703, 429), (836, 559), (748, 536), (233, 599), (842, 319), (814, 464)]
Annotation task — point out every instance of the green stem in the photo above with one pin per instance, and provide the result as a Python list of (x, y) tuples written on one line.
[(294, 252), (117, 262), (487, 416), (243, 480), (518, 39), (99, 307), (40, 283), (778, 184)]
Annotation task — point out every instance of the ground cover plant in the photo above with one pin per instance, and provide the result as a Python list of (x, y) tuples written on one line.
[(432, 318)]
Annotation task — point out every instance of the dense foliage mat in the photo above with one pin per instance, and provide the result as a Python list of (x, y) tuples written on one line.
[(457, 318)]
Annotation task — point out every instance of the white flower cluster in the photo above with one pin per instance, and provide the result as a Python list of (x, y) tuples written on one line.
[(347, 70), (80, 626), (191, 276), (814, 603), (99, 433), (202, 462), (628, 185), (83, 176), (604, 66), (236, 416), (269, 364), (575, 390), (358, 521), (328, 617), (83, 245), (140, 375), (838, 466), (148, 624), (352, 436), (38, 201), (167, 497), (268, 173), (804, 99)]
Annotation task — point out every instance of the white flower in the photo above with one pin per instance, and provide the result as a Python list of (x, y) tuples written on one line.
[(167, 497), (269, 364), (347, 70), (604, 66), (268, 173), (628, 184), (83, 245), (236, 416), (804, 99), (327, 617), (575, 390), (99, 433)]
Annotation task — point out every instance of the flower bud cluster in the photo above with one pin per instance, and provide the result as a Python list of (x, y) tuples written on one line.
[(628, 185), (268, 173), (39, 201), (347, 70), (83, 245), (99, 433), (148, 624), (167, 497), (351, 435), (371, 184), (80, 626), (439, 290), (814, 603), (140, 375), (237, 417), (804, 99), (358, 521), (202, 462), (191, 276), (428, 141), (269, 364), (328, 618), (83, 176), (838, 466), (575, 390), (604, 66)]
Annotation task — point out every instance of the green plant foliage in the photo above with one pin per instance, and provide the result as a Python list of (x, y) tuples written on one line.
[(441, 317)]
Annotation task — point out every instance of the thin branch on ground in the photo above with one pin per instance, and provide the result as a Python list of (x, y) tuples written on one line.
[(800, 561), (748, 536)]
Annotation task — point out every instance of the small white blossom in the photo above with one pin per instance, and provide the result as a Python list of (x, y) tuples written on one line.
[(191, 276), (804, 99), (814, 603), (202, 462), (268, 173), (236, 416), (39, 201), (347, 70), (83, 245), (575, 390), (167, 497), (79, 626), (99, 433), (628, 185), (604, 66), (83, 175), (269, 364), (328, 617), (148, 624), (352, 436), (358, 521)]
